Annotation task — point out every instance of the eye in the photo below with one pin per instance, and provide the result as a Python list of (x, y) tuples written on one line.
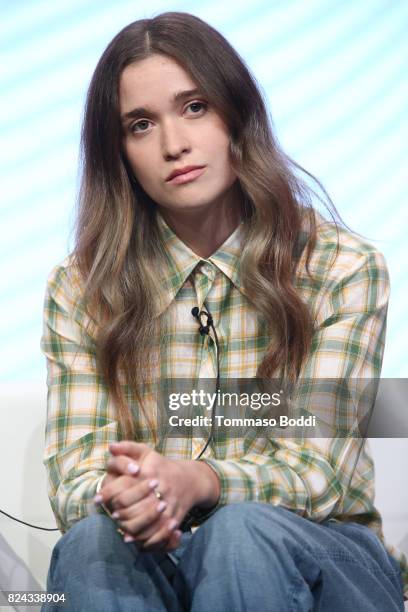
[(141, 126), (197, 107)]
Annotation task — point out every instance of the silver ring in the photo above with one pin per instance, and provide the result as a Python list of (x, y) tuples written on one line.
[(158, 494)]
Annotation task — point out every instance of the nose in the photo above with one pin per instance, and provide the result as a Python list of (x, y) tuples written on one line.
[(174, 140)]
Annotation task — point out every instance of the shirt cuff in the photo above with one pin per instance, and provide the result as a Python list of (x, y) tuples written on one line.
[(196, 516), (236, 485)]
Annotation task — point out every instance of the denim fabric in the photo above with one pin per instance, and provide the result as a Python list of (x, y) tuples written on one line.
[(247, 556)]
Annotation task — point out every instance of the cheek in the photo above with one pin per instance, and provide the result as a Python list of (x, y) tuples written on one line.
[(221, 153), (220, 145), (141, 167)]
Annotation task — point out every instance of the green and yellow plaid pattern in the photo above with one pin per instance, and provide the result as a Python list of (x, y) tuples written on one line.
[(318, 478)]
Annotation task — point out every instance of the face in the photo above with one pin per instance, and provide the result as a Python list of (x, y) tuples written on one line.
[(168, 125)]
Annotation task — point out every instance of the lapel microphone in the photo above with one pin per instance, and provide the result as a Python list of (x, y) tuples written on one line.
[(203, 329), (193, 515)]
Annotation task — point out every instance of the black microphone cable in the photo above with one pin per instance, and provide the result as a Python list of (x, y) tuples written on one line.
[(205, 329), (192, 516), (28, 524)]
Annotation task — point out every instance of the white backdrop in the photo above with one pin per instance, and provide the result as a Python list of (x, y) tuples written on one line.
[(336, 78), (335, 75)]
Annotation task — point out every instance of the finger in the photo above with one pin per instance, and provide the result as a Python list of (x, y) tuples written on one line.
[(173, 541), (145, 515), (133, 510), (122, 465), (134, 450), (134, 493), (115, 486), (162, 536), (128, 538), (124, 490), (146, 533)]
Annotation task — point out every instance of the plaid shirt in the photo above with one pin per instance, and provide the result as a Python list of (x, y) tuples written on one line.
[(319, 478)]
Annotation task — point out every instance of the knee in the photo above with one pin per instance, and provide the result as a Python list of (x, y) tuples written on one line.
[(91, 527), (244, 535), (247, 515), (246, 521), (95, 533)]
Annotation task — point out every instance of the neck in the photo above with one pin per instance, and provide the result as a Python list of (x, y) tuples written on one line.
[(205, 230)]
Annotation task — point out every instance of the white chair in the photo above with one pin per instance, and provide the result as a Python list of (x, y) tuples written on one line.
[(25, 552)]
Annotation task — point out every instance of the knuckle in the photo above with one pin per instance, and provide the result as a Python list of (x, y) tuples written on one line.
[(110, 464), (118, 464), (160, 536), (163, 522), (128, 481), (131, 526), (123, 514), (142, 525), (127, 526), (147, 533), (119, 501)]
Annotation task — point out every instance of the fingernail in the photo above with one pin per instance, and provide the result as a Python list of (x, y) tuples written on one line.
[(153, 483), (172, 524), (115, 514), (178, 533), (128, 538), (132, 468), (161, 506), (114, 445), (98, 498)]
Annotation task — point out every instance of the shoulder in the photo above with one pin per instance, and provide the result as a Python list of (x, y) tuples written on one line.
[(65, 290), (339, 254), (64, 279), (345, 273)]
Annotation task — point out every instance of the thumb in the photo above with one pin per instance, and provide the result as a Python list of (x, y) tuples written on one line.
[(135, 450)]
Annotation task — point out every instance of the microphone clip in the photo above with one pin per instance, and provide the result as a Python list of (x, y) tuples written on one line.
[(203, 329)]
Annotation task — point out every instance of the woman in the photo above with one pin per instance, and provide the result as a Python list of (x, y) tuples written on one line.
[(199, 256)]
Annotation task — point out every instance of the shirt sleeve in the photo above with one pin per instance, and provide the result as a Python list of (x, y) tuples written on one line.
[(312, 477), (80, 417)]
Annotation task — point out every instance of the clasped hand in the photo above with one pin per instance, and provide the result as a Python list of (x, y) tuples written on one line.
[(134, 472)]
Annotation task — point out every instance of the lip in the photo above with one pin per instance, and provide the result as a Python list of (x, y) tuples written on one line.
[(187, 173)]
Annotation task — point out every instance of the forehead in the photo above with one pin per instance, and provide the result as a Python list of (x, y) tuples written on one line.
[(147, 80)]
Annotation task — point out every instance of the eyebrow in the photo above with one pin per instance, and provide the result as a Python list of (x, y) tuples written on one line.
[(142, 111)]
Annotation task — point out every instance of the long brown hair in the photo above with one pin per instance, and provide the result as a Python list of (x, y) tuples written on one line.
[(118, 249)]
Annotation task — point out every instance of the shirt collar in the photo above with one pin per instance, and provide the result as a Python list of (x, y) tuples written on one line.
[(181, 260)]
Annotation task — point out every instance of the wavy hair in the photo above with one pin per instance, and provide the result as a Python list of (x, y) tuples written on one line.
[(117, 243)]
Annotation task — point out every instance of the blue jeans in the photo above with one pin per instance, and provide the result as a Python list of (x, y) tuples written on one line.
[(247, 556)]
